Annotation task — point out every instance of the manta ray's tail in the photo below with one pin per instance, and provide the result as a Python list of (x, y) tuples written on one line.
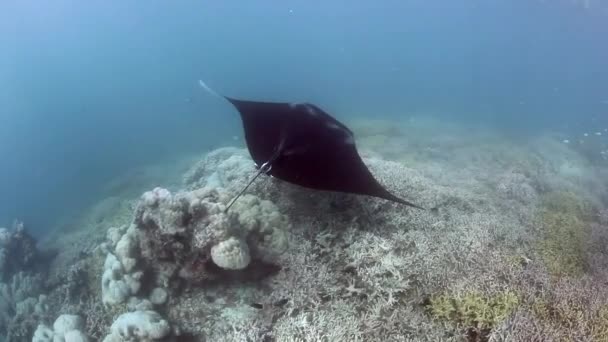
[(208, 89)]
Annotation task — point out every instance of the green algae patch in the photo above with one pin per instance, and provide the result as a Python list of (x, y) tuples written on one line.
[(564, 222), (474, 310), (567, 202)]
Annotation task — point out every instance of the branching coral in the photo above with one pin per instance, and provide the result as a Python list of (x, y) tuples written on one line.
[(21, 303), (358, 268), (473, 310), (564, 222), (566, 309)]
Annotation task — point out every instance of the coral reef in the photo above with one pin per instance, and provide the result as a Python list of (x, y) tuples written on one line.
[(17, 250), (22, 304), (373, 256), (199, 232), (66, 328), (515, 252), (139, 326), (22, 299), (477, 313), (175, 241), (564, 221)]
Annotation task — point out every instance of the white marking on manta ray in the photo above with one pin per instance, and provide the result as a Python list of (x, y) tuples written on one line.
[(332, 125), (350, 140), (311, 110)]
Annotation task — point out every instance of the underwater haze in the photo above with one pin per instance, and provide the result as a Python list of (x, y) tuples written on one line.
[(460, 196), (92, 89)]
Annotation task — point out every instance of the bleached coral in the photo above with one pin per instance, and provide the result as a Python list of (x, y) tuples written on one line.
[(159, 296), (121, 278), (231, 254), (20, 300), (264, 226), (173, 233), (75, 336), (67, 328), (516, 186), (221, 168), (252, 229), (376, 256), (139, 326), (66, 323), (20, 285), (43, 334), (114, 288), (126, 250)]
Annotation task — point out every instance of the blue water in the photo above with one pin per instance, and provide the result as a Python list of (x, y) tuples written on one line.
[(89, 89)]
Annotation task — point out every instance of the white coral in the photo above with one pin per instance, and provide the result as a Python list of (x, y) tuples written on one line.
[(67, 328), (114, 286), (126, 249), (66, 323), (159, 296), (256, 223), (232, 254), (139, 326), (75, 336), (121, 279), (114, 234), (165, 211), (43, 334), (264, 226), (221, 168)]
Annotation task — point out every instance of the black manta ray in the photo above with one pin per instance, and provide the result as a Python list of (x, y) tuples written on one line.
[(303, 145)]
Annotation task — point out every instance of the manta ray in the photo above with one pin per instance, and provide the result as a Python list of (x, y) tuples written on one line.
[(302, 144)]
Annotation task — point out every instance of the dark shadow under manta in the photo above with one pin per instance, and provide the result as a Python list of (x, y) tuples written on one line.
[(303, 145)]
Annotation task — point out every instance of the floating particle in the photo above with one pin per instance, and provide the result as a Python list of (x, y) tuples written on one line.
[(566, 141)]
